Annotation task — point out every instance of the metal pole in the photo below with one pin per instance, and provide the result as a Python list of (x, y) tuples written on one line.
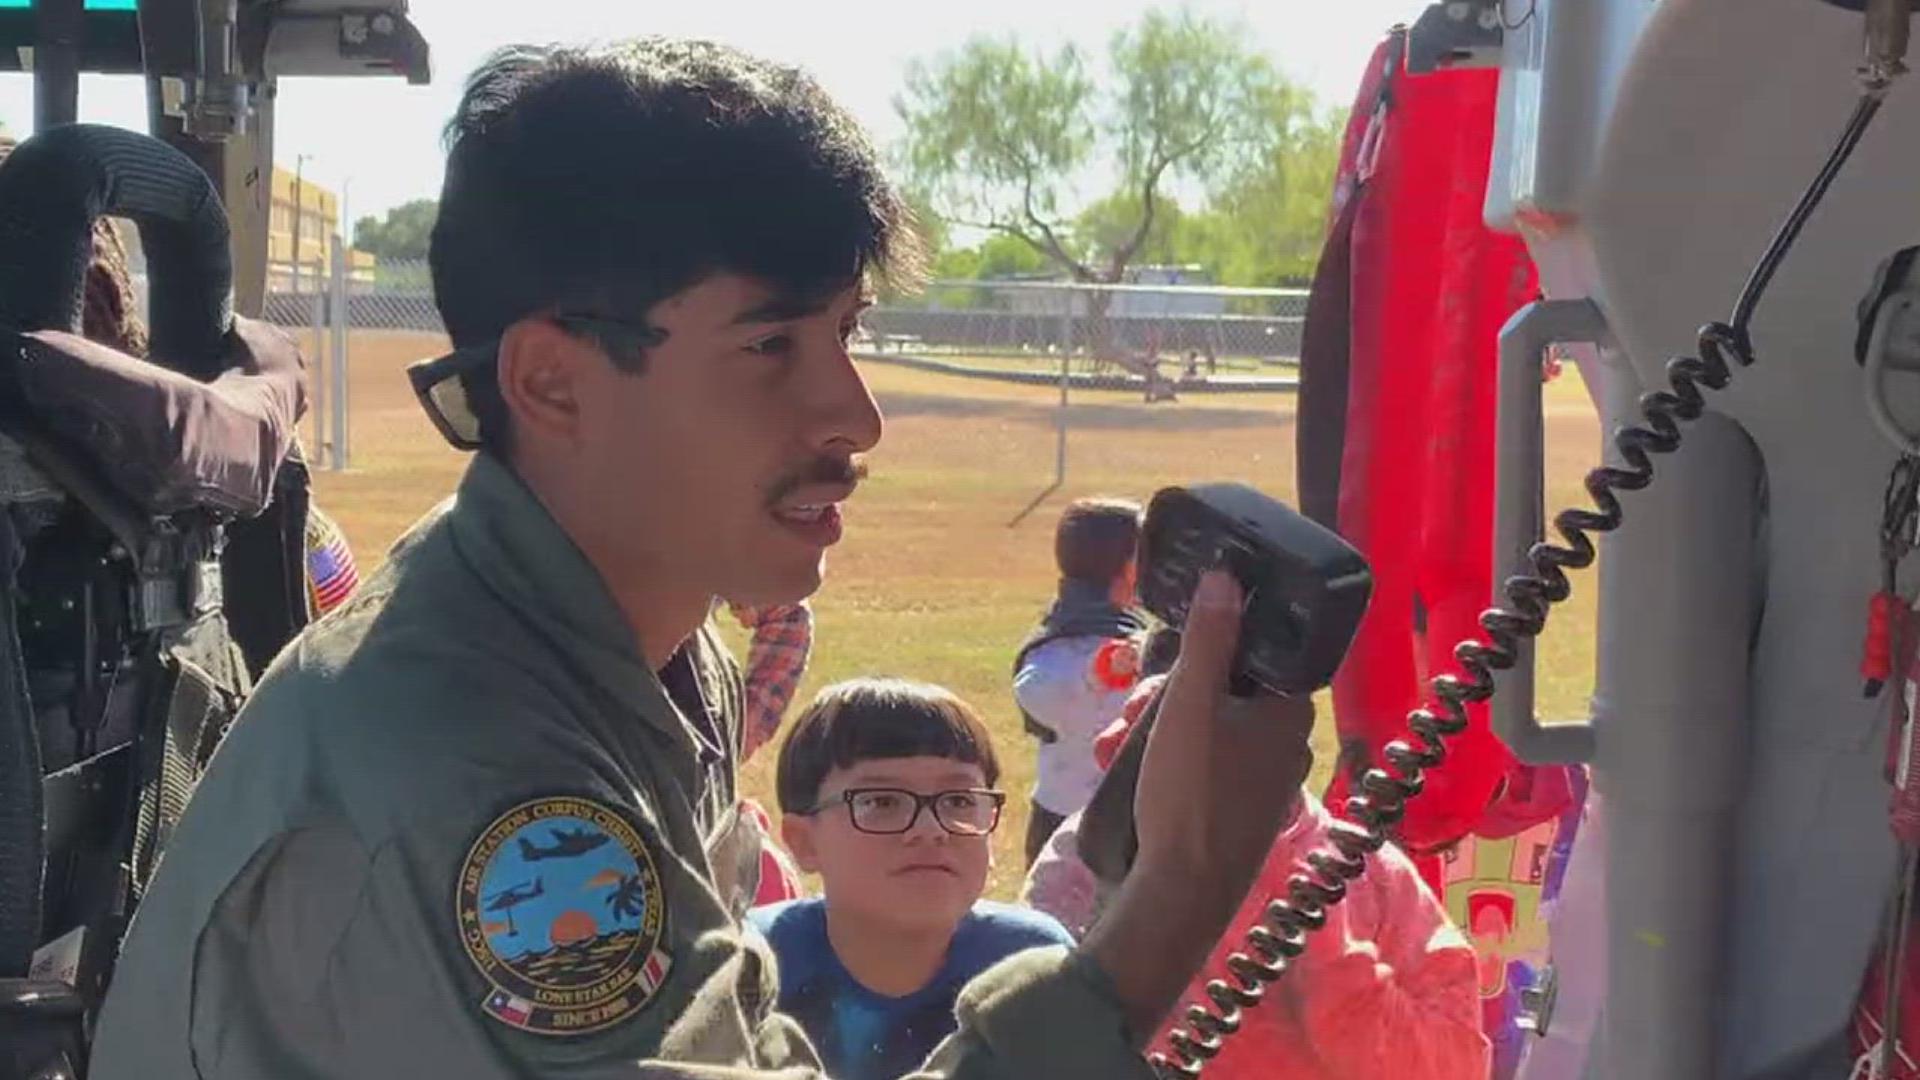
[(56, 62), (338, 356), (1066, 355), (240, 166), (322, 393), (299, 168)]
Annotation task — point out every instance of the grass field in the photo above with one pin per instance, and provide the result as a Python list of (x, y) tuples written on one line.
[(934, 579)]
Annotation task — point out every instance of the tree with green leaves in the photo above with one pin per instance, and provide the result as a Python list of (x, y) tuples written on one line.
[(994, 257), (1114, 223), (403, 234), (1266, 221), (997, 134)]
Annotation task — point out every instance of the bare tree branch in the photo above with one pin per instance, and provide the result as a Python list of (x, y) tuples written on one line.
[(1053, 247), (1046, 243), (1149, 206), (1208, 136)]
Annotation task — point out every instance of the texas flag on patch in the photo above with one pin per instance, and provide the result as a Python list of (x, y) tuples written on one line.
[(654, 971), (514, 1010), (331, 574)]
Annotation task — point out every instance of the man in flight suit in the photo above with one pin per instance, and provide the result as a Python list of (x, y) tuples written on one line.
[(474, 823)]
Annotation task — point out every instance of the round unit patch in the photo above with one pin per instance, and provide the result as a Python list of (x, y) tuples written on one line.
[(561, 909)]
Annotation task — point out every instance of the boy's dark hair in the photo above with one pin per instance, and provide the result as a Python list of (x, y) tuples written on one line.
[(602, 181), (868, 719), (1096, 539)]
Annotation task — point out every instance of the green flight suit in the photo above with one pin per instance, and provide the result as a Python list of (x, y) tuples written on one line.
[(462, 830)]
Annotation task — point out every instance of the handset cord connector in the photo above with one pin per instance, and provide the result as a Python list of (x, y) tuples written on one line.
[(1887, 27)]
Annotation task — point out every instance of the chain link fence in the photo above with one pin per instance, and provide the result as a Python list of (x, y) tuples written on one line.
[(1100, 328), (1163, 339), (297, 300), (349, 319), (394, 295), (1243, 329)]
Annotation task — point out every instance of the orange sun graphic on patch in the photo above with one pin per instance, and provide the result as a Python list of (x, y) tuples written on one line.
[(560, 908)]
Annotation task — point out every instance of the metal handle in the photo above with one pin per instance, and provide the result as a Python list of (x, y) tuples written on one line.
[(1519, 514), (1876, 364)]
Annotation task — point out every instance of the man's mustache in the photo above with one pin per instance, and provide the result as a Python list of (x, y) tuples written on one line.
[(836, 472)]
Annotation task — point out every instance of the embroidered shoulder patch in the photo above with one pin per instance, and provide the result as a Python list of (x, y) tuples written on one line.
[(560, 907)]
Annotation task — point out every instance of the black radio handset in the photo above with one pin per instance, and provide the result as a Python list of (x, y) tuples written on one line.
[(1305, 591), (1305, 587), (1290, 652)]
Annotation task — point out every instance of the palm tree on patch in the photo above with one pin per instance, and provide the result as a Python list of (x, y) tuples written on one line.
[(629, 898)]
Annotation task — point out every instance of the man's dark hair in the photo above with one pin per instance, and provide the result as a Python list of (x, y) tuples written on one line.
[(868, 719), (605, 180), (1096, 539)]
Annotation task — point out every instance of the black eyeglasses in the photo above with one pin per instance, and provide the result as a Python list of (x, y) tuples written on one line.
[(886, 811), (436, 382)]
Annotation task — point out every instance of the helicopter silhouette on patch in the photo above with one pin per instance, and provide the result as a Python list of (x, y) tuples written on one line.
[(563, 904)]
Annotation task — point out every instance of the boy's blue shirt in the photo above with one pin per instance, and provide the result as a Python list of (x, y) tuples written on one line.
[(862, 1035)]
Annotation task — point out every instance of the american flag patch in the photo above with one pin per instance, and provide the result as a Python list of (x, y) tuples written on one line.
[(331, 574)]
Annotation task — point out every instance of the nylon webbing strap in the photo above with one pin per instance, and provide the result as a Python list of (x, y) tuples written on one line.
[(38, 1021), (22, 821), (192, 712)]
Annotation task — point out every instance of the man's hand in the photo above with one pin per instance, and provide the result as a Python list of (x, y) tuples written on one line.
[(1221, 777), (1222, 774)]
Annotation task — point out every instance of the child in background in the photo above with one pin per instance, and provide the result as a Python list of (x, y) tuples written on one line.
[(1066, 678), (776, 660), (886, 791), (1386, 988), (1060, 882), (777, 654)]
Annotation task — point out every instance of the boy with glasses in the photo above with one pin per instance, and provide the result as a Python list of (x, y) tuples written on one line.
[(886, 788)]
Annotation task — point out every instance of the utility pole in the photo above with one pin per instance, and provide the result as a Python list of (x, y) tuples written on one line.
[(58, 29), (299, 211), (1066, 380)]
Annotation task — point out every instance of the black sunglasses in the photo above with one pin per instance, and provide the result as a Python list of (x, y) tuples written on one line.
[(436, 382)]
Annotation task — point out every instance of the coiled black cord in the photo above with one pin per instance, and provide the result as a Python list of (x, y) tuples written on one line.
[(1321, 883)]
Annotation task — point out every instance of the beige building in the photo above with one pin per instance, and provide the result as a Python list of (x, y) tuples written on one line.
[(300, 227)]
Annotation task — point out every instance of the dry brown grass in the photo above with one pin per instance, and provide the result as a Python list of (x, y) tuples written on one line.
[(934, 580)]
